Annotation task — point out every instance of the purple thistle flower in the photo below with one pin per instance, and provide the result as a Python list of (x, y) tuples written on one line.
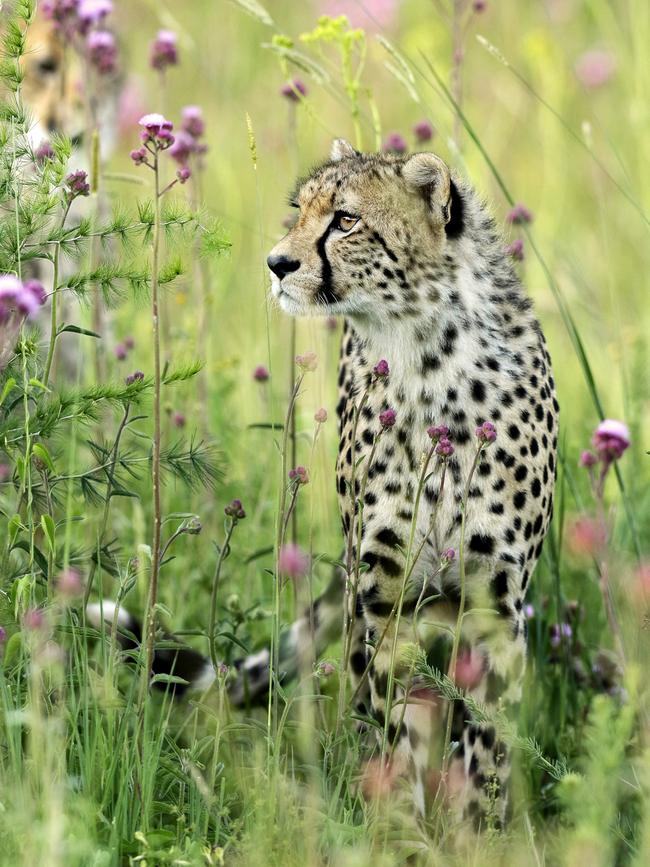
[(588, 459), (234, 509), (183, 174), (611, 438), (447, 556), (292, 561), (261, 374), (25, 298), (44, 152), (595, 68), (299, 474), (444, 448), (179, 419), (92, 12), (395, 143), (139, 156), (519, 215), (293, 90), (529, 611), (387, 418), (479, 5), (486, 433), (34, 619), (136, 376), (423, 131), (381, 369), (156, 130), (325, 669), (183, 148), (164, 50), (77, 184), (101, 49), (30, 298), (129, 342), (516, 250), (437, 432), (120, 352), (192, 121)]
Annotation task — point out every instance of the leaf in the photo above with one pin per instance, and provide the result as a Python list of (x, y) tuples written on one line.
[(14, 527), (169, 678), (43, 455), (39, 557), (74, 329), (48, 528), (261, 552), (10, 384), (181, 374), (12, 648), (231, 637)]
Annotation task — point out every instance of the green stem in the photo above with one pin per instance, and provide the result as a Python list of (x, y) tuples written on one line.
[(223, 553), (53, 309), (155, 468), (461, 607)]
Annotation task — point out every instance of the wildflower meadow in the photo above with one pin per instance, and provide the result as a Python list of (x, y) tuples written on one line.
[(169, 437)]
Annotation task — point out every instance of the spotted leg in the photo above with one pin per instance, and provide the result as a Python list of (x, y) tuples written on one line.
[(498, 641)]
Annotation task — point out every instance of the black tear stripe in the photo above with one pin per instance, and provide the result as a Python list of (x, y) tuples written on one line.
[(326, 294), (456, 225)]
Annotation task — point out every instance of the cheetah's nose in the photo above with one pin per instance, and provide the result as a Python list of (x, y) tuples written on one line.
[(282, 265)]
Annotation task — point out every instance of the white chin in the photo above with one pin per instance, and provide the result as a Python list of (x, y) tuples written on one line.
[(295, 308)]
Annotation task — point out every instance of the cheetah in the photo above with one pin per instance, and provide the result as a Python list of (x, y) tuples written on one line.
[(406, 252)]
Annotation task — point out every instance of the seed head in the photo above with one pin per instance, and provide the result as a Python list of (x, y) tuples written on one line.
[(320, 415), (235, 510), (307, 362)]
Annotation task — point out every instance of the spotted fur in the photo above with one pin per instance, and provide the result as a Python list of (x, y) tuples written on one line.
[(409, 255)]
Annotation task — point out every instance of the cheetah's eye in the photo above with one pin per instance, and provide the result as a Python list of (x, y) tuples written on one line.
[(345, 222), (48, 66)]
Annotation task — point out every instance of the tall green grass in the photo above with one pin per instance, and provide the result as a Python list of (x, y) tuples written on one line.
[(92, 774)]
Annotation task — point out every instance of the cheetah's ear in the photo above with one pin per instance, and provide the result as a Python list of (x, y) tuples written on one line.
[(342, 149), (429, 174)]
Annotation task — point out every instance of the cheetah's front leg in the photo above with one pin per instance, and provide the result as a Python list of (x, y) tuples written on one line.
[(404, 729)]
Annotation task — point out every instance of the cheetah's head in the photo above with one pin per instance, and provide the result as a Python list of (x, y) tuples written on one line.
[(367, 225)]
